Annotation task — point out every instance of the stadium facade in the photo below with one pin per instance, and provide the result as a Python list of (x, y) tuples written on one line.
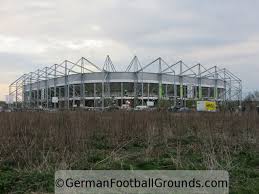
[(84, 84)]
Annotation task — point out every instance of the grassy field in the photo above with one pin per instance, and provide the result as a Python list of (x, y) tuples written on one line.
[(33, 145)]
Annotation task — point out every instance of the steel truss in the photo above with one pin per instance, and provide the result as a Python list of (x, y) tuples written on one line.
[(232, 84)]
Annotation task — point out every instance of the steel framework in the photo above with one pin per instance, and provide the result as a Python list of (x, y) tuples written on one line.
[(27, 97)]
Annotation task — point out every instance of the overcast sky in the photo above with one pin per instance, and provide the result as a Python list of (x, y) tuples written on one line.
[(36, 33)]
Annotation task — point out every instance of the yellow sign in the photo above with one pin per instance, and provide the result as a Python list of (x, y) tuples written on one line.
[(210, 106)]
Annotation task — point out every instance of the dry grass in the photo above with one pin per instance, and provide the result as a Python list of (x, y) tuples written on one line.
[(41, 139), (44, 142)]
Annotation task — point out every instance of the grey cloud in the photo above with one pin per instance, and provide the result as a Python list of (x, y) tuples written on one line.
[(211, 32)]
